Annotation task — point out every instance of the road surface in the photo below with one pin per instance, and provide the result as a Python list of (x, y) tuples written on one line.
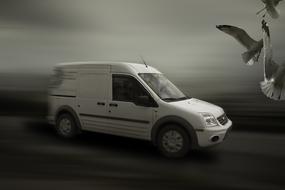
[(32, 157)]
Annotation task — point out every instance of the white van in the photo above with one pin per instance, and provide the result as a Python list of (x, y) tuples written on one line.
[(132, 100)]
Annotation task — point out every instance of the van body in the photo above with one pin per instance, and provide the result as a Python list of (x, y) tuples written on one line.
[(132, 100)]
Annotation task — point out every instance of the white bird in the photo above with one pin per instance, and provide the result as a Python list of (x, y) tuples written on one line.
[(273, 85), (270, 7), (254, 47)]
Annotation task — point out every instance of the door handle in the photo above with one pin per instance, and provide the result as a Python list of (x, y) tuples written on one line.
[(113, 105), (100, 103)]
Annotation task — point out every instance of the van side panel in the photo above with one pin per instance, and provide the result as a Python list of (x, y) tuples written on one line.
[(93, 93), (62, 91), (66, 83)]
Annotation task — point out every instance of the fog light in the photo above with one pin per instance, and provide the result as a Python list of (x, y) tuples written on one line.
[(215, 138)]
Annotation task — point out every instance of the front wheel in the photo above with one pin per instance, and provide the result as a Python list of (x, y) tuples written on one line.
[(173, 141)]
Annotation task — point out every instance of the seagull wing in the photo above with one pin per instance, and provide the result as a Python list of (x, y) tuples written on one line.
[(270, 6), (270, 67), (239, 34), (274, 2), (272, 11), (252, 55), (273, 85), (280, 76)]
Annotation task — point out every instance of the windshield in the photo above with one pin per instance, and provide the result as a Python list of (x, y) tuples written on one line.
[(165, 89)]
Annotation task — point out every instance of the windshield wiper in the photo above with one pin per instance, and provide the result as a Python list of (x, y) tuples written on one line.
[(169, 99), (184, 98), (175, 99)]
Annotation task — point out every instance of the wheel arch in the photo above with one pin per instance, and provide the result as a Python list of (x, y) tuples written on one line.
[(68, 110), (178, 121)]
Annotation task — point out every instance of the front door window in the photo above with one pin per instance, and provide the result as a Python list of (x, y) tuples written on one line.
[(127, 89)]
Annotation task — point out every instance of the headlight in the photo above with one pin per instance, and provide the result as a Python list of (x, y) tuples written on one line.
[(209, 119)]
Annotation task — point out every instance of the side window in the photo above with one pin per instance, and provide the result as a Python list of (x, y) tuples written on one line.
[(127, 89)]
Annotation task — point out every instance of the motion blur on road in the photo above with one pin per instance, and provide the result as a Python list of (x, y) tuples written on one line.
[(32, 157), (177, 37)]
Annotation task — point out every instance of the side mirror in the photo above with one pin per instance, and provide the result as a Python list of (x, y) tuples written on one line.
[(143, 101)]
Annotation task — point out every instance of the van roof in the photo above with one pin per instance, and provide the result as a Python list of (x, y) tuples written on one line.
[(123, 67), (90, 63)]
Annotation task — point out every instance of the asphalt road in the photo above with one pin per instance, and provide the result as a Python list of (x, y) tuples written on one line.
[(32, 157)]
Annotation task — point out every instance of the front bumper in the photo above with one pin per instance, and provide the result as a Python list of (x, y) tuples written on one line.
[(215, 135)]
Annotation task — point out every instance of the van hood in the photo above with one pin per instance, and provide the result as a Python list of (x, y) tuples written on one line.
[(199, 106)]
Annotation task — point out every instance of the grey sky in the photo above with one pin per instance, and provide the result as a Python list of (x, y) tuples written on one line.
[(177, 36)]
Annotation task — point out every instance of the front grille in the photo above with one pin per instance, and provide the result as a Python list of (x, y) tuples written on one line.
[(223, 119)]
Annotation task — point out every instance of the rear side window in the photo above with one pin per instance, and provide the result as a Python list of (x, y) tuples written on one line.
[(127, 88)]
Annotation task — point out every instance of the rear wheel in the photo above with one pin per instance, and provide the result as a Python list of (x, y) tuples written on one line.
[(66, 126), (173, 141)]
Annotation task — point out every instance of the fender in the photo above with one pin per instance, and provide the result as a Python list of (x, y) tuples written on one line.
[(69, 110), (177, 120)]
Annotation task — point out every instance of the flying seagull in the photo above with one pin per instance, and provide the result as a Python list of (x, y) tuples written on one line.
[(254, 47), (273, 85), (270, 7)]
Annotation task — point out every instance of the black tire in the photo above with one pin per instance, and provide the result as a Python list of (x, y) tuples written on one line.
[(66, 132), (174, 148)]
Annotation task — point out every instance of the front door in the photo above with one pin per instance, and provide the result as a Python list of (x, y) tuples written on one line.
[(127, 118)]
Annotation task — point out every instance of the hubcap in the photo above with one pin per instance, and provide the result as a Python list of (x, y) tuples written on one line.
[(65, 126), (172, 141)]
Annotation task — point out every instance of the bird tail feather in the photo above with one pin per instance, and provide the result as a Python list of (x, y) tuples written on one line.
[(269, 90)]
